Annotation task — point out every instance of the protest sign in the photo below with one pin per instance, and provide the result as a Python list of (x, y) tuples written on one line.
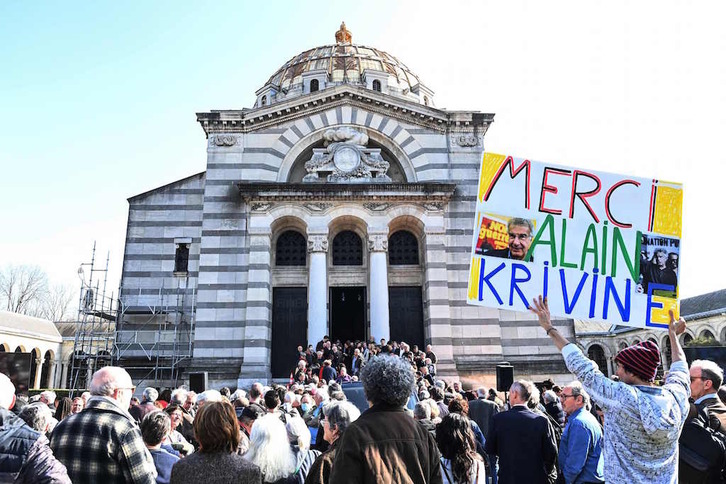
[(598, 245)]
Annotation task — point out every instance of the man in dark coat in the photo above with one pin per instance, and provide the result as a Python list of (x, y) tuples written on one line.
[(521, 440), (25, 456)]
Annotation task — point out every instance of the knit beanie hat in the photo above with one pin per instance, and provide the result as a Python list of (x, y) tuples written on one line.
[(643, 358)]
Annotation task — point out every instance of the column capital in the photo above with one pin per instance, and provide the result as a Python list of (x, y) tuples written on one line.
[(378, 243), (317, 243)]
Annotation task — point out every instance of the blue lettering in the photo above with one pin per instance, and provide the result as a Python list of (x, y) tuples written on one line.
[(623, 309), (570, 305), (485, 278), (513, 286)]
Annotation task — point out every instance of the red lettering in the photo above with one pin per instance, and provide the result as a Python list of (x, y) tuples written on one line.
[(607, 202), (513, 172), (550, 189), (583, 196)]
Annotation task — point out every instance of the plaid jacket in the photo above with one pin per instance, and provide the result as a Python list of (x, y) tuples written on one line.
[(102, 444)]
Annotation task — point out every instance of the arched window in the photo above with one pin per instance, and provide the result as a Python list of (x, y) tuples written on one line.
[(181, 258), (707, 334), (622, 345), (347, 249), (45, 375), (403, 249), (263, 101), (290, 249), (314, 85), (597, 354), (687, 338), (377, 85)]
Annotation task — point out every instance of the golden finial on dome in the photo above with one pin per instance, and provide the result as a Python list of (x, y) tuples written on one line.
[(343, 36)]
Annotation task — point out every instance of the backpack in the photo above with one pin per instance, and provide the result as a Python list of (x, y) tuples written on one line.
[(702, 451)]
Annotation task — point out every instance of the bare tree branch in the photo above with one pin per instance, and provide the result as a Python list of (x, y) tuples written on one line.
[(56, 305), (23, 288)]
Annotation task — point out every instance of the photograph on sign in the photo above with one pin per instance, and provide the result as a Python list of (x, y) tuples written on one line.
[(599, 246)]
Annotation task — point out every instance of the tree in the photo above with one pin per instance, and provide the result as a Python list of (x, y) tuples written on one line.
[(22, 288), (25, 290)]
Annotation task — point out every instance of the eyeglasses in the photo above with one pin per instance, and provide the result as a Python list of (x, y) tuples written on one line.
[(565, 397), (132, 388)]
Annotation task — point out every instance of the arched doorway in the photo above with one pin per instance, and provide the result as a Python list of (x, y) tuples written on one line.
[(45, 373), (34, 366), (347, 303), (405, 302), (597, 354)]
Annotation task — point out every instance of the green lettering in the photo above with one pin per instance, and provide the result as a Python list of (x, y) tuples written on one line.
[(618, 242), (587, 249), (563, 262), (547, 224)]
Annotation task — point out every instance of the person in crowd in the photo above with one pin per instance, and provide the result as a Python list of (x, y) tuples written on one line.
[(357, 362), (461, 406), (642, 420), (257, 392), (85, 396), (327, 372), (217, 461), (520, 439), (77, 406), (82, 441), (208, 396), (246, 417), (385, 444), (580, 456), (146, 406), (343, 377), (299, 437), (155, 428), (422, 414), (63, 408), (270, 450), (460, 463), (48, 397), (337, 417), (482, 410), (174, 437), (25, 456), (706, 410), (190, 406), (272, 401), (431, 355), (37, 416), (438, 396), (656, 271), (553, 407)]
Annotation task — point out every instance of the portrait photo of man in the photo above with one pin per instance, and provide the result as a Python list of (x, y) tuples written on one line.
[(520, 238)]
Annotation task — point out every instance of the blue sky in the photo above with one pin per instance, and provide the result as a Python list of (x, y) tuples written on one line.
[(98, 101)]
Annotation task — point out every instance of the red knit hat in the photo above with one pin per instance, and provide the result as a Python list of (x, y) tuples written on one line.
[(643, 358)]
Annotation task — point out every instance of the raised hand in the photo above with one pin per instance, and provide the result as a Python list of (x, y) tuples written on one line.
[(677, 327), (540, 308)]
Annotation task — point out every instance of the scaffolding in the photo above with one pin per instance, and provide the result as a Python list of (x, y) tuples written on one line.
[(95, 325), (154, 341)]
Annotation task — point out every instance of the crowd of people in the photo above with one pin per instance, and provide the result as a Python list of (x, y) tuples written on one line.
[(415, 427)]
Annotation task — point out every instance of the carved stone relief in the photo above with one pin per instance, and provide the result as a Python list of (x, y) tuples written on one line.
[(223, 140), (261, 206), (433, 206), (376, 207), (466, 140), (317, 243), (318, 207), (378, 243)]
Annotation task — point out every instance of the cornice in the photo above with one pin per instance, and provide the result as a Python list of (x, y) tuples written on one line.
[(249, 120), (380, 192)]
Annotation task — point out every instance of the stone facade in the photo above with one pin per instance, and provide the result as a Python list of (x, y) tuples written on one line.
[(257, 186)]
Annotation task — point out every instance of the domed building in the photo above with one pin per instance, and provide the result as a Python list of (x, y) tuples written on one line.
[(340, 204)]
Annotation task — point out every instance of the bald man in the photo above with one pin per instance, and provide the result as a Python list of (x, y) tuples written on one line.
[(103, 443)]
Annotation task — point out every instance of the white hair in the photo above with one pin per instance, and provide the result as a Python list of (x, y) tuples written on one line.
[(49, 396), (270, 449), (209, 396), (179, 396), (7, 392), (298, 433), (106, 380), (712, 368), (481, 392), (239, 393), (150, 394)]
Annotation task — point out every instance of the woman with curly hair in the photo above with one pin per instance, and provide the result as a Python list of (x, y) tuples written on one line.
[(460, 464)]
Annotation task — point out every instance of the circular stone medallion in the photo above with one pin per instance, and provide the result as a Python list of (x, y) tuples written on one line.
[(346, 159)]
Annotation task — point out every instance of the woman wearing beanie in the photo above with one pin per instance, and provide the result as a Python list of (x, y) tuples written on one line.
[(642, 420)]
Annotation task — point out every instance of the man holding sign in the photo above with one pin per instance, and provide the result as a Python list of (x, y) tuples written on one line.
[(642, 421)]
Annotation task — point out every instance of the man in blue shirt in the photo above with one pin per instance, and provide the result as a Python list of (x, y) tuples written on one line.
[(580, 455)]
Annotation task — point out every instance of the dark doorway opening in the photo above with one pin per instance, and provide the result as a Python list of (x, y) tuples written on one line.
[(289, 328), (405, 309), (347, 313)]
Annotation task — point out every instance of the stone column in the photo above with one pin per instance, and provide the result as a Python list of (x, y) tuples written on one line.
[(380, 324), (38, 371), (317, 288)]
